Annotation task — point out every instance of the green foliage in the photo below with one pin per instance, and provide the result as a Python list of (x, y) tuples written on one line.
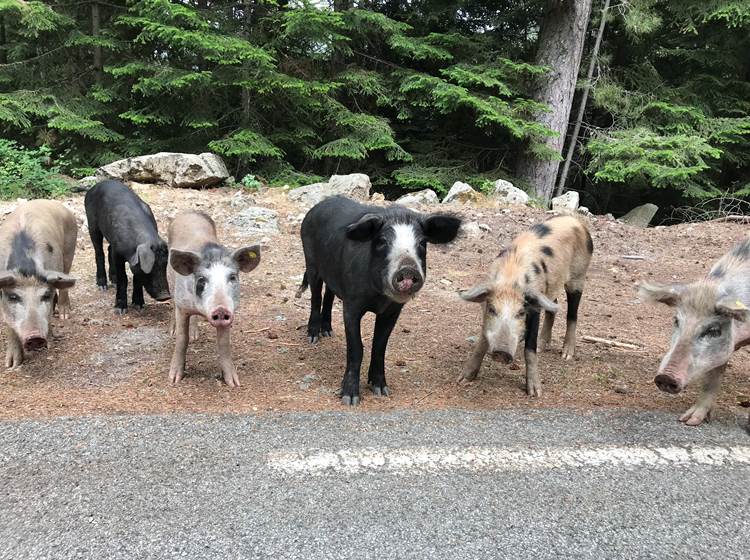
[(416, 94), (23, 173)]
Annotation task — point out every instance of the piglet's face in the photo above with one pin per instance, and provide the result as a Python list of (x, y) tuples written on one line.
[(504, 318), (27, 304), (215, 278), (398, 246), (702, 333)]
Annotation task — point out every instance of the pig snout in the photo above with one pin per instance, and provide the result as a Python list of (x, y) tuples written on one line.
[(501, 356), (407, 280), (221, 317), (668, 383), (162, 296), (34, 341)]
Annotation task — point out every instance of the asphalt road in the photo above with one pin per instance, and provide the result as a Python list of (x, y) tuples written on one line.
[(451, 484)]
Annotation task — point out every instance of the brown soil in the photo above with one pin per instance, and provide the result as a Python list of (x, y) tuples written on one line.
[(105, 364)]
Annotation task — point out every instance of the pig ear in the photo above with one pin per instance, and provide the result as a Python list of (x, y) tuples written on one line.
[(247, 258), (143, 256), (477, 294), (539, 301), (441, 228), (660, 293), (184, 263), (59, 281), (365, 228), (7, 279), (733, 308)]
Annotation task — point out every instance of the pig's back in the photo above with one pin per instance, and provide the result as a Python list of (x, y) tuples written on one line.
[(191, 231)]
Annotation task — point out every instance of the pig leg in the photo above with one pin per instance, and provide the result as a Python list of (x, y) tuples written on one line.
[(313, 324), (14, 352), (549, 320), (352, 325), (325, 316), (569, 346), (121, 297), (384, 324), (474, 363), (225, 357), (533, 383), (177, 368), (112, 270), (137, 298), (97, 240), (701, 410), (193, 328), (63, 302)]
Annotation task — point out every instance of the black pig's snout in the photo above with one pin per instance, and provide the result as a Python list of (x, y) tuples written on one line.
[(407, 280)]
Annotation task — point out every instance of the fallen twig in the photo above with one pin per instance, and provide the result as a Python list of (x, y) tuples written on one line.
[(608, 342), (634, 257), (733, 218), (258, 331)]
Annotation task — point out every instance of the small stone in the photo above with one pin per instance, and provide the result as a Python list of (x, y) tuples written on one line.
[(445, 282), (472, 339), (400, 363)]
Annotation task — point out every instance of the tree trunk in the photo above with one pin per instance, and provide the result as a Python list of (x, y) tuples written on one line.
[(247, 7), (584, 100), (341, 5), (560, 47), (95, 23), (3, 41)]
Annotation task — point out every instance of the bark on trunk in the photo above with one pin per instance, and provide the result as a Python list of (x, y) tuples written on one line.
[(95, 26), (3, 41), (247, 7), (560, 47), (584, 100)]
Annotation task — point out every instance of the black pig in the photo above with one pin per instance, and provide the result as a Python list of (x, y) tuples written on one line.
[(373, 259), (116, 213)]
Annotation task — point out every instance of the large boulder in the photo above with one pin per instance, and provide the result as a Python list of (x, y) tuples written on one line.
[(640, 216), (504, 191), (255, 220), (462, 193), (566, 202), (168, 168), (427, 196), (355, 185)]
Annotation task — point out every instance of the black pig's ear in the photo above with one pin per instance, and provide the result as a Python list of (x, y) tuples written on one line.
[(184, 263), (365, 229), (441, 228), (144, 256)]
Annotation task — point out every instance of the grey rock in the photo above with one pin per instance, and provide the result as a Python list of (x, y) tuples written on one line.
[(83, 185), (506, 192), (256, 220), (356, 186), (168, 168), (471, 230), (568, 201), (426, 196), (461, 192), (640, 216)]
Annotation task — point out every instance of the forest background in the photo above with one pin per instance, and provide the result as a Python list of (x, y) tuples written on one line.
[(415, 93)]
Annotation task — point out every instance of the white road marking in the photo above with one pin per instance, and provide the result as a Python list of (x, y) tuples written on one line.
[(426, 460)]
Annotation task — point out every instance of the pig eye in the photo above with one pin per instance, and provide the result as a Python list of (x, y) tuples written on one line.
[(200, 284), (380, 244), (676, 322), (491, 310), (13, 298), (712, 332), (232, 277), (521, 314), (46, 296)]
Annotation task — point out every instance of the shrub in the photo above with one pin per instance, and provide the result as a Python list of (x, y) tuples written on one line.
[(25, 172)]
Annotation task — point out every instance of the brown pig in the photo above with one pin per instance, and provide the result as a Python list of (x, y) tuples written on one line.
[(710, 323), (205, 280), (37, 243), (523, 280)]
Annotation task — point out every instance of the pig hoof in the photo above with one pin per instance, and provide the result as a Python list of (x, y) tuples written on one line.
[(137, 306), (121, 310), (534, 389), (326, 333), (103, 288), (380, 390), (313, 339), (695, 416), (349, 400)]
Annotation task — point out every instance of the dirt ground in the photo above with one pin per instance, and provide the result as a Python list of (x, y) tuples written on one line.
[(100, 363)]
